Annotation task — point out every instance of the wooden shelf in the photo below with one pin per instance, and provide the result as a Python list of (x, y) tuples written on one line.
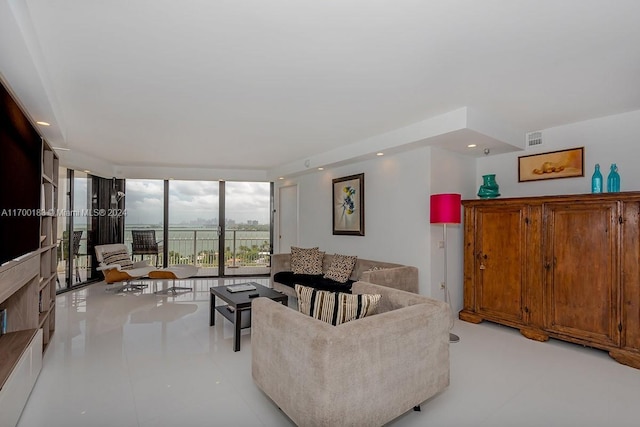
[(12, 345), (27, 285)]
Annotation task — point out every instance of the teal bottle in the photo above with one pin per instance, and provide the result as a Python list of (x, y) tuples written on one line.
[(613, 180), (596, 180)]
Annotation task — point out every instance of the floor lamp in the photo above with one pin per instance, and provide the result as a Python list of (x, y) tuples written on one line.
[(445, 209)]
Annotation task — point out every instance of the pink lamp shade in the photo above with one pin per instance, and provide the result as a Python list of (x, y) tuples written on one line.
[(445, 208)]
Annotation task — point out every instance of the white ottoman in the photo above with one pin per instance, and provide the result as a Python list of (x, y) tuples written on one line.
[(174, 272)]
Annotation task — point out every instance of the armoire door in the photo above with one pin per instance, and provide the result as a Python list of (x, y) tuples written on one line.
[(500, 262), (630, 276), (581, 263)]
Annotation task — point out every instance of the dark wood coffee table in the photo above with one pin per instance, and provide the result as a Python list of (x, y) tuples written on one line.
[(237, 303)]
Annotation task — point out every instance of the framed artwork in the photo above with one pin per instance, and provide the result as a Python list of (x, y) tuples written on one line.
[(348, 205), (555, 164)]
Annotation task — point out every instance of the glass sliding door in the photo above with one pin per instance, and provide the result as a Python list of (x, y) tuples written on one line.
[(145, 204), (81, 233), (247, 231), (223, 228), (63, 233), (193, 225)]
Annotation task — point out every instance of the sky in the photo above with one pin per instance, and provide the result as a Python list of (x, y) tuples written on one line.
[(190, 200)]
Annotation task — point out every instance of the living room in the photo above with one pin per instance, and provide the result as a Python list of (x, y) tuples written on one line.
[(424, 152)]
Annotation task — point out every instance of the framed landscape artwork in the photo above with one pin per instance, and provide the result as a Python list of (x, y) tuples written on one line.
[(556, 164), (348, 205)]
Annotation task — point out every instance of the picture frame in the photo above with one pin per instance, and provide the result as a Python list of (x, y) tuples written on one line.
[(348, 205), (552, 165)]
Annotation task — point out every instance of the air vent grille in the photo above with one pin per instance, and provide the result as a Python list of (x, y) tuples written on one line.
[(534, 139)]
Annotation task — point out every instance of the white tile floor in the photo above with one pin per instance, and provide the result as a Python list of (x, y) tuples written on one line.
[(145, 360)]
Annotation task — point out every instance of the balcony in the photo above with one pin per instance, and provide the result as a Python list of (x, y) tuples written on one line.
[(247, 252)]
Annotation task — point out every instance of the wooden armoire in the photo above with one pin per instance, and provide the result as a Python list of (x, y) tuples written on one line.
[(565, 267)]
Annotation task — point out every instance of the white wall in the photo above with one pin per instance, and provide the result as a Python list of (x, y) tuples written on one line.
[(450, 173), (396, 211), (397, 228), (397, 190), (606, 140)]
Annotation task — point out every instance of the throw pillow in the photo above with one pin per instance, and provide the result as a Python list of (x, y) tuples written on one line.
[(306, 260), (120, 257), (335, 307), (341, 268)]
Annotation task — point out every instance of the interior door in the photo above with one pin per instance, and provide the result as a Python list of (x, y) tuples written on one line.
[(287, 218)]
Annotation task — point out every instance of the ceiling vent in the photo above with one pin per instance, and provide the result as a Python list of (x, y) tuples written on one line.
[(534, 139)]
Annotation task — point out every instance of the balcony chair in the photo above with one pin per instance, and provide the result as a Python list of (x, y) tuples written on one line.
[(144, 243), (117, 267), (75, 248)]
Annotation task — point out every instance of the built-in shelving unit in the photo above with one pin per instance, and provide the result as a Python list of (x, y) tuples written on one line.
[(48, 244), (27, 293)]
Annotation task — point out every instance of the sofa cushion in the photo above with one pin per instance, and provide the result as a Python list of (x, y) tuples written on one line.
[(288, 278), (335, 307), (120, 257), (341, 267), (306, 260)]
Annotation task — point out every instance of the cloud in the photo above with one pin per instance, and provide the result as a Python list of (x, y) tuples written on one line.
[(193, 200)]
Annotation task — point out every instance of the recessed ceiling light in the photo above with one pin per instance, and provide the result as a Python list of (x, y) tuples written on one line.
[(320, 169), (282, 177), (380, 154), (472, 146), (43, 123), (86, 171)]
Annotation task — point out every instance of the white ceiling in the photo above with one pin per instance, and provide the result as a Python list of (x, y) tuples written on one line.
[(259, 85)]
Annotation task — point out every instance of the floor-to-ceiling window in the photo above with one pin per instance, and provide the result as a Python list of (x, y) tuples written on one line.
[(144, 204), (247, 227), (223, 228), (63, 227), (193, 225), (81, 252)]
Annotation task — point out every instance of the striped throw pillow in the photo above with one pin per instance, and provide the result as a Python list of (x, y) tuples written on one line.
[(120, 257), (335, 307)]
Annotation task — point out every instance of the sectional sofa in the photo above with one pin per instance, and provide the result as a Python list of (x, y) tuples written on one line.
[(388, 274)]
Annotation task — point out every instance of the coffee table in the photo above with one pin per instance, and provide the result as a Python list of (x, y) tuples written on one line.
[(237, 303)]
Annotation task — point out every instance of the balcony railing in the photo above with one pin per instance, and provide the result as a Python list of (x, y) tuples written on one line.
[(199, 247), (246, 252)]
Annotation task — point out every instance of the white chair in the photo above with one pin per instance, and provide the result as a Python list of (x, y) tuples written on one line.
[(117, 267)]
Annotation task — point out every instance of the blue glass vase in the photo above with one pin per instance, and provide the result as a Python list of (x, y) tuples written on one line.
[(489, 188), (596, 180), (613, 180)]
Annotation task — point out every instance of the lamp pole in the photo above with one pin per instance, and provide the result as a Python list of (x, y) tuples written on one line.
[(453, 338)]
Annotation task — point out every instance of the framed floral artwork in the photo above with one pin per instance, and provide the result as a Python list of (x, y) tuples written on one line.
[(348, 205)]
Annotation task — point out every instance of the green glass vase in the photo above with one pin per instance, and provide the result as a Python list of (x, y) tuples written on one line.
[(489, 188)]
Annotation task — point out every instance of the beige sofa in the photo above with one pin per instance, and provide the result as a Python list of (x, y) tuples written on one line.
[(365, 372), (396, 276)]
